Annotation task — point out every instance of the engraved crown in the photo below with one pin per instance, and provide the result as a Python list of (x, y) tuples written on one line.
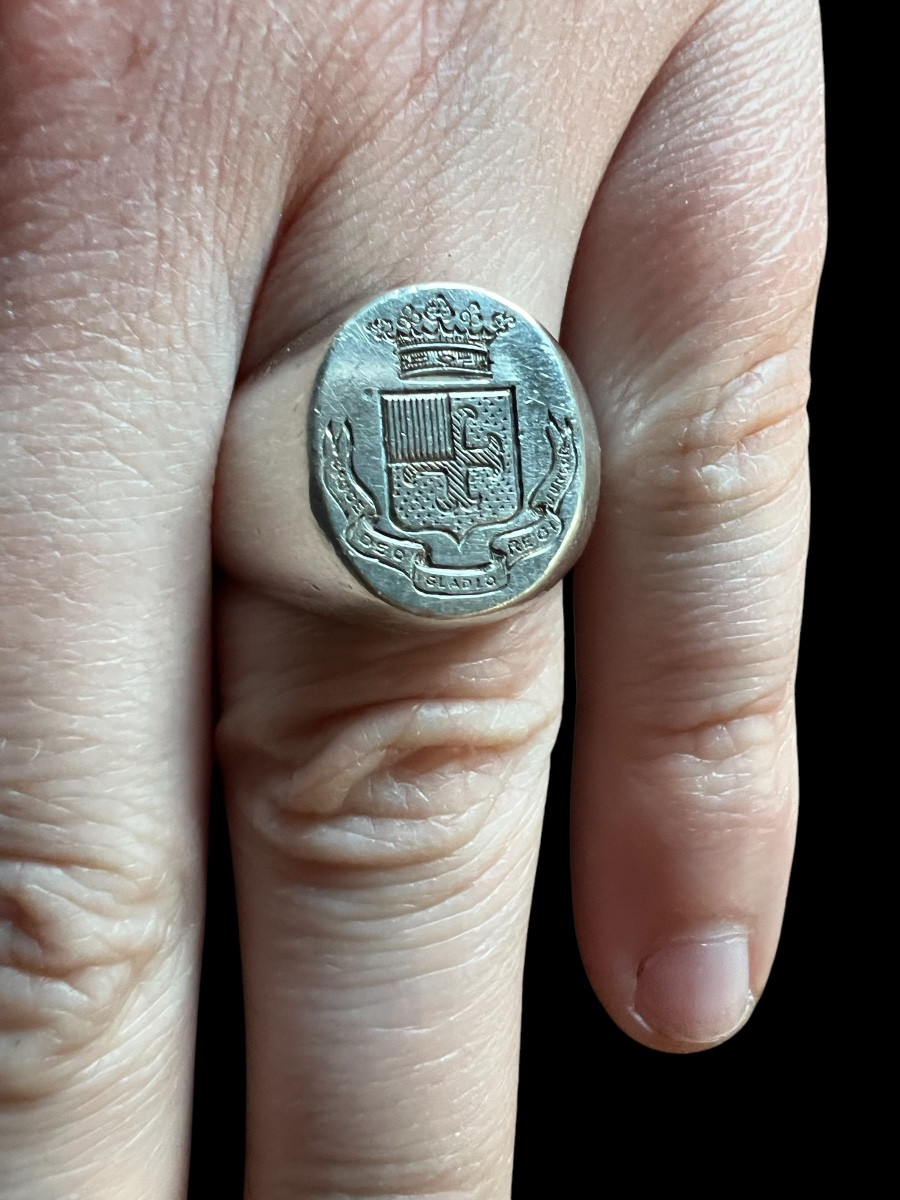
[(438, 339)]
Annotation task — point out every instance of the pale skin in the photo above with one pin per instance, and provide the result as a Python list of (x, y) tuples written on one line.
[(186, 187)]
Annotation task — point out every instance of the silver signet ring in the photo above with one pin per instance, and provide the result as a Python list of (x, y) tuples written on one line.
[(454, 464)]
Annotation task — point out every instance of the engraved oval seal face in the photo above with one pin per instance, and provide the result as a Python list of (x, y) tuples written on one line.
[(453, 460)]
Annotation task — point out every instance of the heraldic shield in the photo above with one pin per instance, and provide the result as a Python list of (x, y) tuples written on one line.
[(452, 457)]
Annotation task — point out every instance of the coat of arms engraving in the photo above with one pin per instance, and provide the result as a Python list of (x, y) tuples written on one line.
[(458, 516)]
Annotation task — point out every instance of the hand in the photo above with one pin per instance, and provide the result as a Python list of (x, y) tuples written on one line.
[(186, 188)]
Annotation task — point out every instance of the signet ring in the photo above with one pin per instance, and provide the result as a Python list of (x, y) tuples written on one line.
[(452, 463)]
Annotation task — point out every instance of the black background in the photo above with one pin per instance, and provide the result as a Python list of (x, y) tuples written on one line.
[(593, 1104)]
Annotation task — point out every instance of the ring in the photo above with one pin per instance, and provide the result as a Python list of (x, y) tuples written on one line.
[(453, 459)]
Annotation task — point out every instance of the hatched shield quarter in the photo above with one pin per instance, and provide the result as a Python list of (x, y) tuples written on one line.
[(454, 464)]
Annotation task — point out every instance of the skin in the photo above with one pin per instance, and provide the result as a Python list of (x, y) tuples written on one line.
[(185, 187)]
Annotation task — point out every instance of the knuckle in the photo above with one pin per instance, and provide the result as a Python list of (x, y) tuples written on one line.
[(729, 450), (77, 935), (404, 784), (401, 750), (732, 772)]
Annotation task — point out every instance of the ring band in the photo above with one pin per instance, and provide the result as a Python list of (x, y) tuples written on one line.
[(453, 459)]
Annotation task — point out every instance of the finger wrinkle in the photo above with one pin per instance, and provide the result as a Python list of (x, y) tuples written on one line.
[(741, 441), (403, 784), (453, 914), (416, 887), (384, 736), (75, 942), (720, 736), (735, 812), (399, 863), (690, 788), (755, 469), (702, 686), (713, 829)]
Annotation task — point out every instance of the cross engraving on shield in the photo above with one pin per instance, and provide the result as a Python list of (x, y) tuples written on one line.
[(453, 460)]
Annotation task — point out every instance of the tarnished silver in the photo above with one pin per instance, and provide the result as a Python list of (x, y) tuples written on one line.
[(454, 464)]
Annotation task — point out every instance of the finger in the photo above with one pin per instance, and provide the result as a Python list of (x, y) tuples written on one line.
[(385, 781), (690, 317), (119, 331)]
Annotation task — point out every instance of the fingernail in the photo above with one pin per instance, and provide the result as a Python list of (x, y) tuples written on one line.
[(695, 991)]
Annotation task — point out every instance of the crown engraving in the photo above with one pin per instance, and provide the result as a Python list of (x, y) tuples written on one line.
[(440, 340)]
